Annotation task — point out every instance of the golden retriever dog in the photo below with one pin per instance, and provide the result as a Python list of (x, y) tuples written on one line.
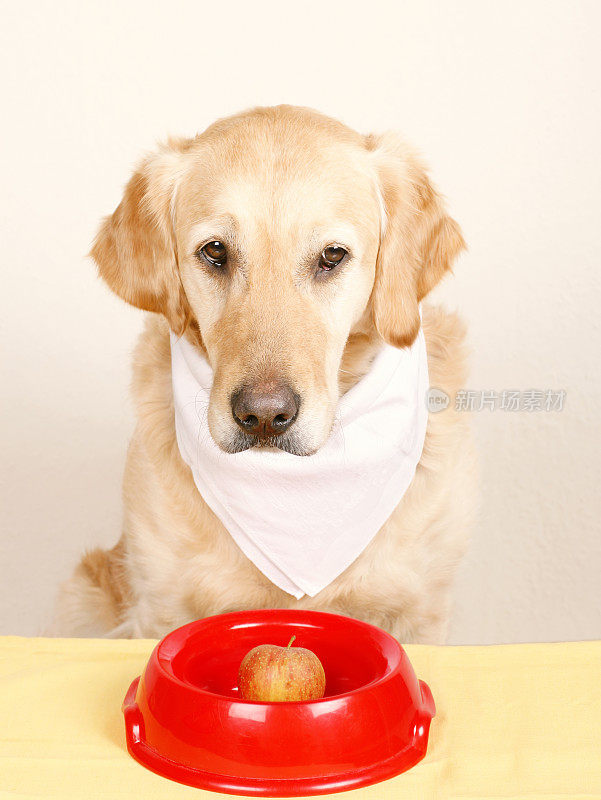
[(225, 239)]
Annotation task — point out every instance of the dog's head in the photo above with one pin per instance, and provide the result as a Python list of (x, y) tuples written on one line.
[(271, 240)]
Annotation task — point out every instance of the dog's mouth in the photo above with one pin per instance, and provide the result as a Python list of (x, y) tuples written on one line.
[(288, 442)]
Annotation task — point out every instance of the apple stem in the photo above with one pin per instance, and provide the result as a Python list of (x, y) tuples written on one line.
[(291, 640)]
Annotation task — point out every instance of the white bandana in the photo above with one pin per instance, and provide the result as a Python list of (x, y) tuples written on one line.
[(302, 520)]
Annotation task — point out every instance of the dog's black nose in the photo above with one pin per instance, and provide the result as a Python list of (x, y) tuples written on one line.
[(265, 409)]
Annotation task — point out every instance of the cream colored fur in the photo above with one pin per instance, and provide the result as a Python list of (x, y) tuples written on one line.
[(175, 562)]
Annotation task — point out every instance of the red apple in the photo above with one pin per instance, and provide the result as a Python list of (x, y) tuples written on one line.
[(271, 673)]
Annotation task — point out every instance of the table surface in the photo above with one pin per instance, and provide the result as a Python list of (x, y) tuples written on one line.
[(513, 721)]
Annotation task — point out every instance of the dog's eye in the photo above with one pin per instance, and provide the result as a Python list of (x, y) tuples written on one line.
[(331, 256), (215, 253)]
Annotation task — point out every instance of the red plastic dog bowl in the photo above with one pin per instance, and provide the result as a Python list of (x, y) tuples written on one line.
[(185, 721)]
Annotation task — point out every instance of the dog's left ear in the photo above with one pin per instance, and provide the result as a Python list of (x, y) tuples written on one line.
[(419, 242)]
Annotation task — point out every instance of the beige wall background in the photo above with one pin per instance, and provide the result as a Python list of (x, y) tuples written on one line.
[(504, 101)]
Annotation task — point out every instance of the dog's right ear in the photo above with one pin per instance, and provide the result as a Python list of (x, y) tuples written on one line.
[(135, 248)]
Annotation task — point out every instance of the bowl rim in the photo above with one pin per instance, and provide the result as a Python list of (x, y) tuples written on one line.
[(170, 674)]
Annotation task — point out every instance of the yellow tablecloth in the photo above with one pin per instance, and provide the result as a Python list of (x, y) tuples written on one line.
[(515, 721)]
